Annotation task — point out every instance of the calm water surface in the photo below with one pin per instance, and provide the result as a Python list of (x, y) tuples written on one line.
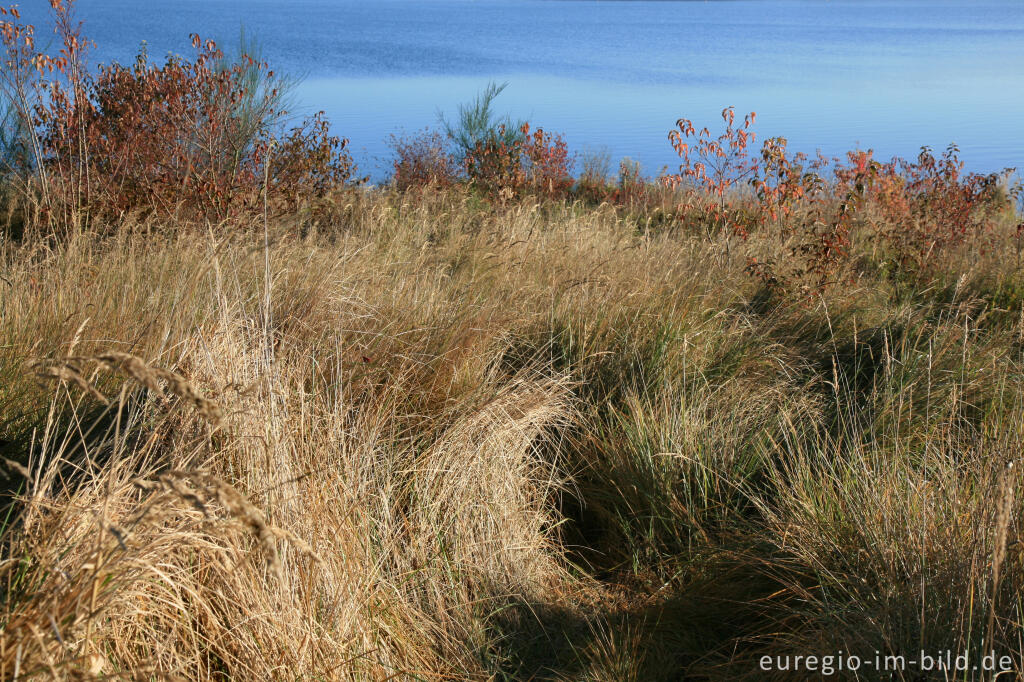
[(828, 74)]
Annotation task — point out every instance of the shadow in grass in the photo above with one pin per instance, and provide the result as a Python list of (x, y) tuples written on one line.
[(686, 631), (83, 438)]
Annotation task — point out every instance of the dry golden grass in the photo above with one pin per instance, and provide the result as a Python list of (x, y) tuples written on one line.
[(436, 440)]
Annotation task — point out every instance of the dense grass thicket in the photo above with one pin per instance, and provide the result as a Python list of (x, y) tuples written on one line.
[(261, 420)]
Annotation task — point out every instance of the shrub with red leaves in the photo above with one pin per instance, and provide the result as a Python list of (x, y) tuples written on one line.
[(715, 165), (530, 164), (930, 204), (423, 160), (546, 163), (189, 137)]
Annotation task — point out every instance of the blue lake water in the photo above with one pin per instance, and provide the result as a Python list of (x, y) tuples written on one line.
[(891, 75)]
